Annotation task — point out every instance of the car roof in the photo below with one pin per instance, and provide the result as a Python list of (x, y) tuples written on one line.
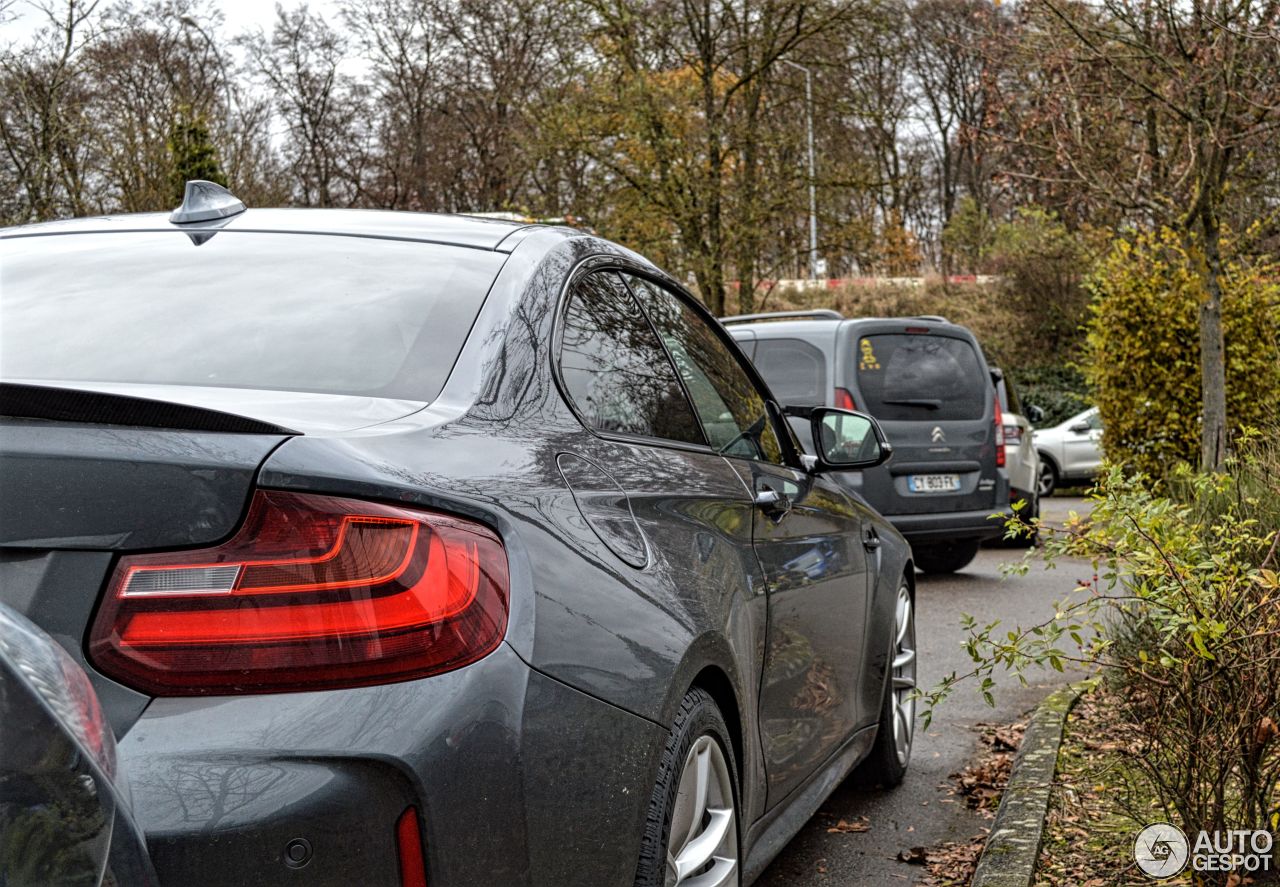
[(787, 327), (821, 327), (455, 230)]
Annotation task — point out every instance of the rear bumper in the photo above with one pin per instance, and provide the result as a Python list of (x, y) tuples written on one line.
[(952, 525), (517, 779)]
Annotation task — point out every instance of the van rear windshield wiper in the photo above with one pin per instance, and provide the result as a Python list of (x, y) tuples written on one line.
[(927, 403)]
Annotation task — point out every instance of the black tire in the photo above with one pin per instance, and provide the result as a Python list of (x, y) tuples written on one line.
[(697, 717), (1048, 480), (945, 557)]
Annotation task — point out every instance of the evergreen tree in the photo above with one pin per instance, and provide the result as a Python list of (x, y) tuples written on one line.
[(193, 153)]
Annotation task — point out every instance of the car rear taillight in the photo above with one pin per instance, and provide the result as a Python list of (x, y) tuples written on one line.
[(313, 592), (1013, 434), (999, 438), (844, 400)]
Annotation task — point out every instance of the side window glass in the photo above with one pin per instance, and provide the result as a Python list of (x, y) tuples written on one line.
[(732, 411), (615, 369), (794, 370)]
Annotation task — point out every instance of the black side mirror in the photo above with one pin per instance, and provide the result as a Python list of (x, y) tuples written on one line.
[(844, 440), (1035, 414), (64, 809)]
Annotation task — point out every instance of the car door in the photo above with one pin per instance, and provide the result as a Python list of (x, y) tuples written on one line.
[(806, 534), (1082, 445)]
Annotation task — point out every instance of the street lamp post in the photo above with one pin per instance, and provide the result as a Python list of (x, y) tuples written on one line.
[(213, 48), (813, 174)]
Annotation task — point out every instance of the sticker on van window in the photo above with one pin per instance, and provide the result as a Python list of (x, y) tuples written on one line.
[(868, 359)]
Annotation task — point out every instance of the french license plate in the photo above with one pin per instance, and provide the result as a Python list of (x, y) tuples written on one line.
[(933, 483)]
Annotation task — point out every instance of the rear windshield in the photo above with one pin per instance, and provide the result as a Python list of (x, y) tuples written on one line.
[(794, 370), (289, 312), (926, 377)]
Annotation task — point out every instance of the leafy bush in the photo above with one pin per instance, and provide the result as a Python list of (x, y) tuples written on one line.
[(1144, 349), (1183, 611), (1043, 267), (1060, 390)]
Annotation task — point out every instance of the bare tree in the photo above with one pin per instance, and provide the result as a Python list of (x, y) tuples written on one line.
[(1160, 103), (322, 107), (956, 55), (42, 96), (404, 41)]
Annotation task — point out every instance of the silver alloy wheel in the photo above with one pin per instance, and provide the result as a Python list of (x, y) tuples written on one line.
[(904, 676), (702, 849), (1044, 484)]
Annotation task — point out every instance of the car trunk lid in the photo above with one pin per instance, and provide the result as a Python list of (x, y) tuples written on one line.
[(77, 490)]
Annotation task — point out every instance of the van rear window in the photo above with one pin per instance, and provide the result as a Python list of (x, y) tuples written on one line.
[(922, 377)]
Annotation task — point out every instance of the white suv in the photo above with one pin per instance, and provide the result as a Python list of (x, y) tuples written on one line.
[(1070, 451)]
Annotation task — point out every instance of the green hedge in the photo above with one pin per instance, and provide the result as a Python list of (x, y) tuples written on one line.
[(1143, 358)]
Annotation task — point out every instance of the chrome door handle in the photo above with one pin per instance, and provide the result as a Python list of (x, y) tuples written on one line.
[(772, 502)]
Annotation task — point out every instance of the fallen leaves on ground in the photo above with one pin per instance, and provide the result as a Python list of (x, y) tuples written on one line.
[(1091, 823), (980, 785), (861, 824), (948, 865)]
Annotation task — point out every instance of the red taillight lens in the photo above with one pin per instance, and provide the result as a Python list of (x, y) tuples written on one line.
[(844, 400), (999, 438), (313, 592)]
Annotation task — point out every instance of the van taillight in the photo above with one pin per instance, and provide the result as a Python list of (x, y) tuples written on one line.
[(313, 592), (844, 400), (999, 438)]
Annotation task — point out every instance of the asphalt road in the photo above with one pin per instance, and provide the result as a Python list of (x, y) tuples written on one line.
[(922, 812)]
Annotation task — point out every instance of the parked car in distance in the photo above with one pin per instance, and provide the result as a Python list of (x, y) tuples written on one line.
[(928, 383), (407, 549), (1070, 451), (1021, 461), (65, 814)]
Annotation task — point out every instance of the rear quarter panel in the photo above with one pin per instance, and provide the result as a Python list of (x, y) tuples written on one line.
[(488, 449)]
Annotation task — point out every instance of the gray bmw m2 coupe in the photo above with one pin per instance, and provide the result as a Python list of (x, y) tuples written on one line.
[(407, 549)]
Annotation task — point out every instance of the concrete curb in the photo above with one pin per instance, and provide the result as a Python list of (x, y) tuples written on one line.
[(1009, 857)]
